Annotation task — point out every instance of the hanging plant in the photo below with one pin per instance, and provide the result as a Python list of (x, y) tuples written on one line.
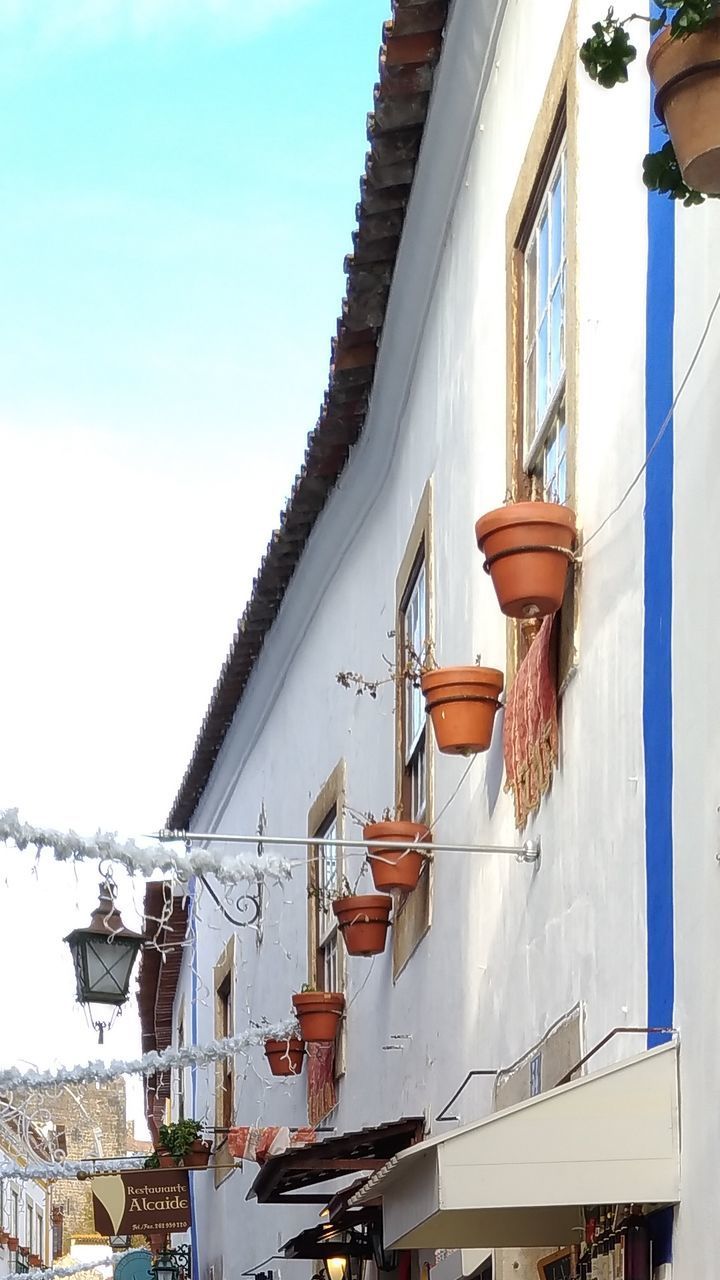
[(285, 1057), (181, 1142), (462, 703), (684, 65), (363, 920), (527, 548), (395, 868), (318, 1013)]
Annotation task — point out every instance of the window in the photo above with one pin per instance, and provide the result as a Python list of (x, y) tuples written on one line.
[(544, 289), (224, 995), (14, 1213), (413, 757), (224, 987), (58, 1215), (40, 1235), (328, 880), (541, 330), (180, 1077), (325, 870), (414, 640), (30, 1226)]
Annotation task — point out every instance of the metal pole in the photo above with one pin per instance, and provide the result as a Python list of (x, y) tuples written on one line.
[(528, 852)]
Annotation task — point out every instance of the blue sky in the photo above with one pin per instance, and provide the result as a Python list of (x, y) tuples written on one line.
[(178, 181)]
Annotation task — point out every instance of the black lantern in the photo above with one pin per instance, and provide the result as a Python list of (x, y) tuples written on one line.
[(103, 955), (172, 1264), (119, 1243)]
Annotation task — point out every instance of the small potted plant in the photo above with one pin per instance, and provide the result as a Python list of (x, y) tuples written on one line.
[(684, 65), (396, 868), (363, 919), (182, 1142), (152, 1161), (285, 1057), (527, 548), (462, 702), (318, 1013), (35, 1260), (13, 1243)]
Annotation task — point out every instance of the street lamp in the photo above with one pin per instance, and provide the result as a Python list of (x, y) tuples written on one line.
[(172, 1264), (119, 1243), (103, 955), (336, 1268)]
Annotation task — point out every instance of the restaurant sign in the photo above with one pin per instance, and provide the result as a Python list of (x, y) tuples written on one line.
[(141, 1201)]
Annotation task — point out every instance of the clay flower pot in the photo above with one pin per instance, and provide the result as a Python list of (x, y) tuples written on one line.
[(285, 1056), (363, 922), (198, 1157), (166, 1160), (12, 1243), (4, 1237), (319, 1013), (396, 868), (35, 1260), (462, 702), (527, 548), (686, 75)]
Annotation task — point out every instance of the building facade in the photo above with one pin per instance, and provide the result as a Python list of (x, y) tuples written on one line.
[(25, 1205), (522, 318)]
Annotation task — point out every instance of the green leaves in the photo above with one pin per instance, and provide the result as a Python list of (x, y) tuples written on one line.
[(661, 172), (607, 54), (688, 16)]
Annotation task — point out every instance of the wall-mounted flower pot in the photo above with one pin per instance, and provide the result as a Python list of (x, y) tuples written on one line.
[(166, 1160), (12, 1243), (35, 1260), (527, 548), (462, 702), (285, 1056), (363, 922), (319, 1014), (198, 1157), (396, 868), (686, 75)]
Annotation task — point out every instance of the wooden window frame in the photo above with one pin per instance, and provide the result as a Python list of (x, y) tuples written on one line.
[(413, 911), (180, 1098), (330, 798), (224, 974), (556, 126)]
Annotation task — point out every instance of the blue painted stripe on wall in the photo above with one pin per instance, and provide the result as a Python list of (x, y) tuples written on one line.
[(657, 633)]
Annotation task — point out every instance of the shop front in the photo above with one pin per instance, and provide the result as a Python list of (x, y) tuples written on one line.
[(578, 1175)]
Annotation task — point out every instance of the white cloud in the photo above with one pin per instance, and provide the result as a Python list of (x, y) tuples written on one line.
[(102, 20)]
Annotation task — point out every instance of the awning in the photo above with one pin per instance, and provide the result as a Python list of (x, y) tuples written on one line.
[(521, 1177), (286, 1178)]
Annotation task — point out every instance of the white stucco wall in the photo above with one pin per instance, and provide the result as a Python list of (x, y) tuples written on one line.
[(511, 947)]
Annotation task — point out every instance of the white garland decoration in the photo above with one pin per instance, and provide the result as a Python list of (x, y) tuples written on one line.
[(52, 1171), (68, 846), (150, 1063), (38, 1273)]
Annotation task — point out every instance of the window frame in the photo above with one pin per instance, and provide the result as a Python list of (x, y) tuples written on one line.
[(329, 803), (414, 745), (224, 976), (413, 911), (555, 129), (533, 448)]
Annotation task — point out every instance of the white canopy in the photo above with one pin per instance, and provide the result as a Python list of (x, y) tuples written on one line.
[(521, 1177)]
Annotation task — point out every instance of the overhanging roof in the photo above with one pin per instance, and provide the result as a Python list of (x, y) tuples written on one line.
[(283, 1178), (520, 1177)]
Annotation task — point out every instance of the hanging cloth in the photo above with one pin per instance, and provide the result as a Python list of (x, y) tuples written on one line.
[(530, 730)]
